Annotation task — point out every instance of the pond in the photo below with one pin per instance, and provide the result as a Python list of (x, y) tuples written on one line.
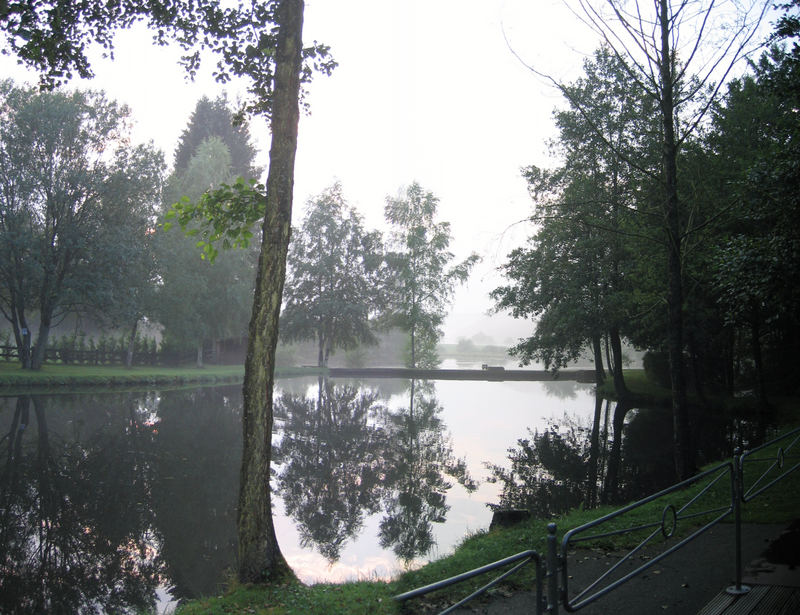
[(113, 502)]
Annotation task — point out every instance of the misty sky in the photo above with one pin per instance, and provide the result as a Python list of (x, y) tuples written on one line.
[(426, 90)]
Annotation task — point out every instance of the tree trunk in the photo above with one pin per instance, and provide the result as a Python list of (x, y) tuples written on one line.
[(594, 452), (199, 355), (260, 559), (755, 341), (38, 354), (616, 350), (22, 334), (413, 349), (132, 342), (684, 457), (599, 372)]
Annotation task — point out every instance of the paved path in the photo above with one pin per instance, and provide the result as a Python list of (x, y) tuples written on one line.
[(681, 584)]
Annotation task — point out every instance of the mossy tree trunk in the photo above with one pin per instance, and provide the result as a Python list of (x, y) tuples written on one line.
[(260, 559)]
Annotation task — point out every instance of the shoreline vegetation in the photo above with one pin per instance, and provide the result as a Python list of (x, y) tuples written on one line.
[(375, 596), (57, 376)]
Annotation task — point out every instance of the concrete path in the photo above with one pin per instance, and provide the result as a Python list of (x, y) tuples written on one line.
[(681, 584)]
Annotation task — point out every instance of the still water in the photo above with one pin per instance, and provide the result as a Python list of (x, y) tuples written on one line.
[(113, 502)]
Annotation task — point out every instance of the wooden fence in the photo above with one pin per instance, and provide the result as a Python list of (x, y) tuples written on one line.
[(69, 356)]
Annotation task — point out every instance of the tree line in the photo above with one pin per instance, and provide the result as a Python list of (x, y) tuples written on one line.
[(84, 234), (700, 267)]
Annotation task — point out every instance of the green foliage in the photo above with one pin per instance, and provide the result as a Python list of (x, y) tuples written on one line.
[(75, 210), (214, 118), (575, 275), (205, 295), (422, 277), (333, 290), (597, 262), (223, 215), (243, 38), (656, 366), (547, 474)]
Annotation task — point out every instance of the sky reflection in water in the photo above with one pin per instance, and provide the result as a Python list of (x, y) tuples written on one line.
[(170, 461)]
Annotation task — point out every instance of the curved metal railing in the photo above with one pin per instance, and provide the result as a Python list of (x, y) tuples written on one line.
[(775, 471), (742, 488), (665, 528), (519, 560)]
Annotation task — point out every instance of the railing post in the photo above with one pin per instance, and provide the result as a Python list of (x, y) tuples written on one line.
[(552, 570), (737, 589)]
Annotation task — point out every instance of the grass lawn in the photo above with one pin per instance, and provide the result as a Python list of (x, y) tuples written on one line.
[(73, 376), (65, 378)]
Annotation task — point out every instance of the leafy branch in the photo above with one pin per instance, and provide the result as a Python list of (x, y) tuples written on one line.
[(225, 215)]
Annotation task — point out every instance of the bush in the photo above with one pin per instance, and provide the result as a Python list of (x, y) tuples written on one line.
[(656, 366)]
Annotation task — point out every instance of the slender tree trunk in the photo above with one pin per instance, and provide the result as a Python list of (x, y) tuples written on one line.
[(697, 375), (131, 344), (755, 341), (611, 484), (599, 371), (730, 363), (260, 559), (594, 451), (38, 354), (199, 354), (616, 350), (413, 350), (22, 334), (684, 456)]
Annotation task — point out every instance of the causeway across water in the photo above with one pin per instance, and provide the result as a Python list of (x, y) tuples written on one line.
[(491, 373)]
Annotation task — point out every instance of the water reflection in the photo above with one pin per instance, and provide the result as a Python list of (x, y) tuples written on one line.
[(76, 529), (343, 455), (195, 485), (106, 498), (331, 459), (419, 458), (618, 456)]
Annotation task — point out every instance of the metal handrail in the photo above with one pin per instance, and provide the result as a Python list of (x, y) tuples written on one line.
[(520, 559), (778, 462), (665, 527)]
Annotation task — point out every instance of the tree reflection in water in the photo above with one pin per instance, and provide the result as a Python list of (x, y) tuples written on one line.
[(74, 532), (331, 455), (418, 459), (570, 464), (195, 485), (345, 453)]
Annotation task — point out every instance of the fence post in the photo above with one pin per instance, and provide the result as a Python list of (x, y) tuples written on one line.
[(552, 570), (738, 477)]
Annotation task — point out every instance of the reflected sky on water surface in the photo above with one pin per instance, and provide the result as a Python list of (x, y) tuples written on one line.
[(155, 475)]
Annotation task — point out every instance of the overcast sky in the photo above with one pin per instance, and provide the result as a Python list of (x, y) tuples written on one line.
[(426, 90)]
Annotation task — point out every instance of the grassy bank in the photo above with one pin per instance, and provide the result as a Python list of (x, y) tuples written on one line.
[(64, 378), (77, 376), (779, 505)]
